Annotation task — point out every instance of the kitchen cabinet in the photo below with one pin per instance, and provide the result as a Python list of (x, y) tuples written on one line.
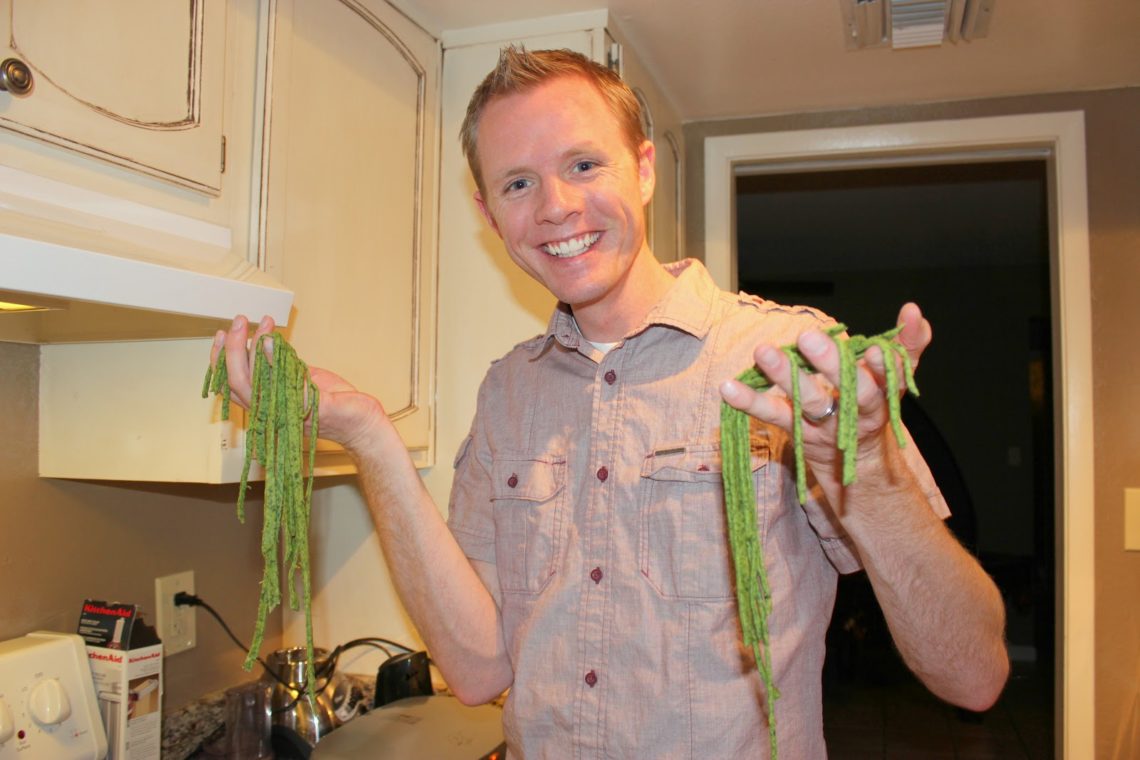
[(350, 200), (665, 213), (136, 83), (140, 125), (340, 206), (138, 142)]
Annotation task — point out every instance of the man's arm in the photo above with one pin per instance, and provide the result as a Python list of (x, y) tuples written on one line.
[(441, 591), (944, 612)]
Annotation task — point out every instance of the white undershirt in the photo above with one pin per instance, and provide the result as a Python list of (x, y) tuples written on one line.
[(603, 347)]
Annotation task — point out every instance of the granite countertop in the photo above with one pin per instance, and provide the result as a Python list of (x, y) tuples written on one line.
[(187, 729), (189, 732)]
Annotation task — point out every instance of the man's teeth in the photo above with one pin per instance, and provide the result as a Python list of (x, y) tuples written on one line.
[(572, 247)]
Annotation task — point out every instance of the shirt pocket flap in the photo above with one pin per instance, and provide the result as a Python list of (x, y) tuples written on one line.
[(697, 463), (527, 479), (694, 464)]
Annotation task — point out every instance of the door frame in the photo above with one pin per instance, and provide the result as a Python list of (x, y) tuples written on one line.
[(1058, 137)]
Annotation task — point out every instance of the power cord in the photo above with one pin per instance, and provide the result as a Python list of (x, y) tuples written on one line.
[(185, 599), (325, 671)]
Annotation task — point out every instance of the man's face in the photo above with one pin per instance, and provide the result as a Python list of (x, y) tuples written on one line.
[(564, 191)]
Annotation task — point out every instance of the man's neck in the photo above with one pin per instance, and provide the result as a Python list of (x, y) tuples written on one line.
[(612, 318)]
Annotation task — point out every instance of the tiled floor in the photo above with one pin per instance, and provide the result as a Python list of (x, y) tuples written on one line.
[(891, 715)]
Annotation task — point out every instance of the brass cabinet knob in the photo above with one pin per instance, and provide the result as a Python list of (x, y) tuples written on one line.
[(15, 77)]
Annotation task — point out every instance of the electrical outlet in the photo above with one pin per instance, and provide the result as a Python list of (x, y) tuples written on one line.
[(176, 623)]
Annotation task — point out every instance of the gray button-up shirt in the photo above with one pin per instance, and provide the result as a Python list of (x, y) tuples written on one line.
[(592, 482)]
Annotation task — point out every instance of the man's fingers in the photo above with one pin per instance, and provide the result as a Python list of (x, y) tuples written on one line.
[(916, 331), (819, 382), (818, 394), (265, 327), (815, 391), (217, 347), (761, 405), (236, 345)]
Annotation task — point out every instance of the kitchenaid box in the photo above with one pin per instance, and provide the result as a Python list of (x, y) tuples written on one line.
[(125, 655)]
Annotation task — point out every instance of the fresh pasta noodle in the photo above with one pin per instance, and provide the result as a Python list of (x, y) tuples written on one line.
[(753, 594), (281, 396)]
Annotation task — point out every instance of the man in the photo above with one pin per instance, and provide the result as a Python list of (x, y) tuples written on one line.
[(586, 564)]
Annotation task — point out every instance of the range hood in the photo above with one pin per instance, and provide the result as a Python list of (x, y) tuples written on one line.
[(88, 267)]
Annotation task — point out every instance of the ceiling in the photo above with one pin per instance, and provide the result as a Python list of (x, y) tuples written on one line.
[(721, 59)]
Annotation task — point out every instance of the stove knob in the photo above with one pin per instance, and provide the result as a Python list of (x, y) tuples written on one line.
[(7, 727), (48, 703)]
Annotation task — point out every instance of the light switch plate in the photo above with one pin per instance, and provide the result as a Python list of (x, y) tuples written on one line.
[(1132, 519)]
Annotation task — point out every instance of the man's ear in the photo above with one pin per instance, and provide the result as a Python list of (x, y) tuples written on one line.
[(486, 212), (647, 174)]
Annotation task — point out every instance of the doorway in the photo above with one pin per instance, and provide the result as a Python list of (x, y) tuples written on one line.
[(1058, 139), (968, 242)]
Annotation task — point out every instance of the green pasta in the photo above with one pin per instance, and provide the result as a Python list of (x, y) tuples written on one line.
[(753, 595), (282, 391)]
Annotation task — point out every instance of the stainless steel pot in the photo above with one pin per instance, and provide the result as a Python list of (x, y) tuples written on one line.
[(293, 711)]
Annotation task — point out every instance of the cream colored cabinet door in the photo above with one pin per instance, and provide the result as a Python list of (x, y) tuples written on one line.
[(138, 83), (350, 201), (665, 213)]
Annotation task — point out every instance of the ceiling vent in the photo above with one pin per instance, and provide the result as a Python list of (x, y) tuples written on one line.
[(914, 23)]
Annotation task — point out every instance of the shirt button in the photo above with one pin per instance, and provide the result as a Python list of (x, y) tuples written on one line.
[(603, 473), (611, 377), (591, 679), (513, 481), (596, 575)]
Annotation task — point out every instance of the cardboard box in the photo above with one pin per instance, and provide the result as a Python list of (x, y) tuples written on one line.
[(125, 656)]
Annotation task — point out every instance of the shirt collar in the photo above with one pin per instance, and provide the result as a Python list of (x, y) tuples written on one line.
[(687, 306)]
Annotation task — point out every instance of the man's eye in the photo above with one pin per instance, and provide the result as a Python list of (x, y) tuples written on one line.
[(584, 166), (518, 184)]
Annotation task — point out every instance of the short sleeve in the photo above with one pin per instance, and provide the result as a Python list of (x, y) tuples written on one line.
[(470, 516)]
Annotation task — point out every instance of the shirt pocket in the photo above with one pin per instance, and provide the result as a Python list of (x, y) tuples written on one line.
[(683, 548), (528, 497)]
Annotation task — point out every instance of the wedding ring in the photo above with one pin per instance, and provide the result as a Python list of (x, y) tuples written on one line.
[(830, 410)]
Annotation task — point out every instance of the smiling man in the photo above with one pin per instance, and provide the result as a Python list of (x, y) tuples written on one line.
[(585, 564), (566, 192)]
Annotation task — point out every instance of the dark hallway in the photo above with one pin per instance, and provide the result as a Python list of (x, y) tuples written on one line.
[(969, 243)]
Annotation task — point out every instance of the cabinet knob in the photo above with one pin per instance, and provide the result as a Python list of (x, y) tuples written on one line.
[(15, 77)]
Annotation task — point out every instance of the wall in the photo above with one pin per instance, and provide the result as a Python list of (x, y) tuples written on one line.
[(1111, 117), (63, 541)]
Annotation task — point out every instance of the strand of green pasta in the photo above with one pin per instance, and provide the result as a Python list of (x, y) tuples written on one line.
[(753, 595), (275, 439)]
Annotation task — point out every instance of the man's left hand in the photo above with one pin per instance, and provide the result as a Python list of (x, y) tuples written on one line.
[(819, 391)]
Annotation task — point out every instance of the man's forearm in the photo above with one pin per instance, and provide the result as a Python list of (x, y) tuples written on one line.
[(437, 585), (945, 614)]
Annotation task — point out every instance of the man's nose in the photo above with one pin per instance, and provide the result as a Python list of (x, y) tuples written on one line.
[(558, 201)]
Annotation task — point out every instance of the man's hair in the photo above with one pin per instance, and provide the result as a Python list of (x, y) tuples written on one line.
[(520, 69)]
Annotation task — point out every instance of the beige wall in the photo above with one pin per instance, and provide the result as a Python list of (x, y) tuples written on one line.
[(1111, 119), (63, 541)]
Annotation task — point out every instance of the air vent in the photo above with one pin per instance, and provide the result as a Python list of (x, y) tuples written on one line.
[(917, 23), (914, 23)]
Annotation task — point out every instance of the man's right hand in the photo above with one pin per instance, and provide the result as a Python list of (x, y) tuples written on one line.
[(347, 416)]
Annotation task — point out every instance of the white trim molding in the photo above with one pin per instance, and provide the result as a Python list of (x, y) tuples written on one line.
[(1060, 138)]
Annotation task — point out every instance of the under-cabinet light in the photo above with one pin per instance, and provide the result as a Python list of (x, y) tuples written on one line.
[(6, 306)]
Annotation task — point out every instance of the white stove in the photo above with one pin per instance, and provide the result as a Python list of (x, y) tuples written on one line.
[(48, 709)]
